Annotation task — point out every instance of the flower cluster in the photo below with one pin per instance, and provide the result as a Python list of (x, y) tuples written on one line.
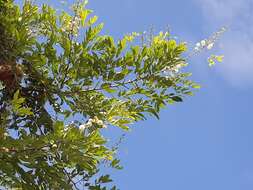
[(172, 70), (209, 43), (177, 67), (91, 122), (204, 44), (71, 26)]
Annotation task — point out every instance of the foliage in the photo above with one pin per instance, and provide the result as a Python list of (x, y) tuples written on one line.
[(75, 83)]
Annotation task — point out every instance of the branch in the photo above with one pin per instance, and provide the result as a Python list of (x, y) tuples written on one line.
[(70, 179), (70, 37), (111, 86), (14, 150)]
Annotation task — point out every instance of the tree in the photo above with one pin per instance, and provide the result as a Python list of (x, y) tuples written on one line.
[(62, 82)]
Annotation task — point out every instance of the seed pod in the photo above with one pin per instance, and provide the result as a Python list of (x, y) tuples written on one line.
[(10, 76)]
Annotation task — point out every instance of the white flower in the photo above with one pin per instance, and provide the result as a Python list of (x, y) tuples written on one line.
[(88, 124), (100, 122), (198, 44), (103, 113), (210, 46), (45, 148), (196, 48), (175, 70), (82, 128), (104, 126), (203, 43), (95, 119), (179, 66)]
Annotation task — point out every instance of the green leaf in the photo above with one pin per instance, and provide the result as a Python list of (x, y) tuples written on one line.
[(177, 98), (1, 86), (108, 88), (119, 76), (196, 86), (219, 58), (83, 16), (214, 58), (92, 20), (17, 103), (115, 164), (104, 179), (24, 111)]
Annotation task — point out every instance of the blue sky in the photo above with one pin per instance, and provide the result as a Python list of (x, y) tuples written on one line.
[(204, 143)]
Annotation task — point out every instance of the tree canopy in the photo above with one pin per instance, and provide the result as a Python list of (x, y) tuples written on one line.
[(62, 83)]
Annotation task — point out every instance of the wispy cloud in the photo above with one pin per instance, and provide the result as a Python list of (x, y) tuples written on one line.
[(237, 43)]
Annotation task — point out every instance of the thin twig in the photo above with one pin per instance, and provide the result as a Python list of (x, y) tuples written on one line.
[(70, 179)]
